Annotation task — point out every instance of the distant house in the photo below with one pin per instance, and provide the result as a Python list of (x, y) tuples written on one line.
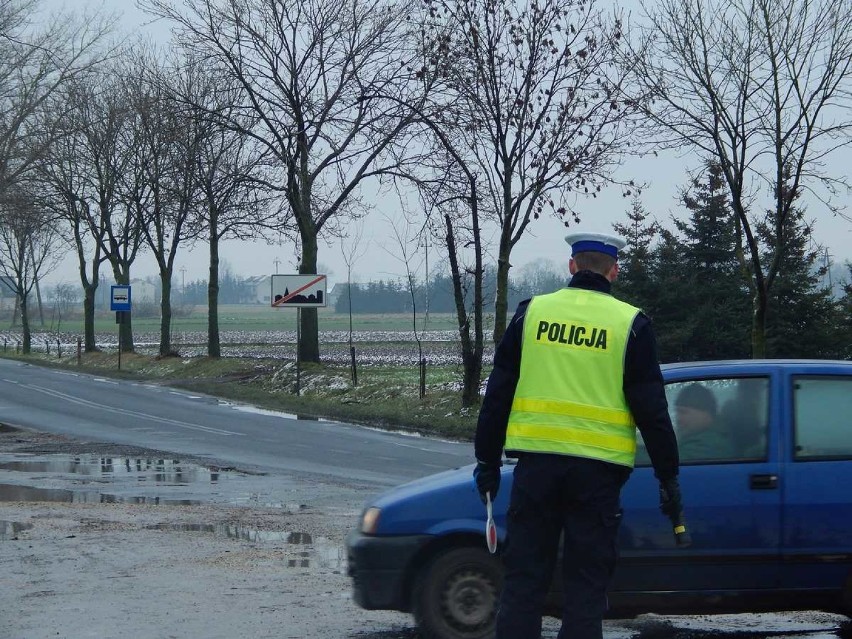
[(260, 288), (7, 292), (143, 291)]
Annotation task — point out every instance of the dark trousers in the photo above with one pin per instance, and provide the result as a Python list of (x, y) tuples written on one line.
[(553, 495)]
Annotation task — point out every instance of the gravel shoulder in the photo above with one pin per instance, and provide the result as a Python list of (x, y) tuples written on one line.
[(250, 556)]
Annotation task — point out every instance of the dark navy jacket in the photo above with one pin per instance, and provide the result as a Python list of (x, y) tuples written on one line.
[(643, 388)]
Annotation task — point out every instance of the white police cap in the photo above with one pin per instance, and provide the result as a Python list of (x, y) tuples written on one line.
[(598, 242)]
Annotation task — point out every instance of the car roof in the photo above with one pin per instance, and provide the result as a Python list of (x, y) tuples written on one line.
[(745, 365)]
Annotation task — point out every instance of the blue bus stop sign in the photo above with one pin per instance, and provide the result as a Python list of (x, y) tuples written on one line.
[(119, 298)]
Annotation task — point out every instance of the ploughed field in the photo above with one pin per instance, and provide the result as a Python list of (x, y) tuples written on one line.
[(378, 347)]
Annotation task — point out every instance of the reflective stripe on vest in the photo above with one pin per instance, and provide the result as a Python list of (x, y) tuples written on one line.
[(569, 398)]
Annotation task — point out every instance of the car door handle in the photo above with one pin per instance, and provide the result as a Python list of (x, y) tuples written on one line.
[(763, 482)]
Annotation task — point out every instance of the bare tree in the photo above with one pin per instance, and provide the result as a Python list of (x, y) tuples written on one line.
[(301, 68), (405, 253), (110, 147), (37, 63), (445, 179), (29, 249), (162, 186), (34, 63), (230, 172), (78, 177), (352, 251), (535, 99), (763, 87), (82, 175), (448, 191)]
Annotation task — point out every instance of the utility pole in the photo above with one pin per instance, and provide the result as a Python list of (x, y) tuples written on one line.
[(828, 270), (276, 261), (183, 280)]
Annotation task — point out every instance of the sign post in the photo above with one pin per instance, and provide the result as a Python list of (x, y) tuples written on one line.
[(298, 291), (119, 302)]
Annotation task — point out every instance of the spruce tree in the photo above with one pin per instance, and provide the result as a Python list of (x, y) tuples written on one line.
[(803, 318), (844, 325), (671, 308), (715, 294), (634, 283)]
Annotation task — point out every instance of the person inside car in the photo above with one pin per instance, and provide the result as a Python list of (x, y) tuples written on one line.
[(699, 434)]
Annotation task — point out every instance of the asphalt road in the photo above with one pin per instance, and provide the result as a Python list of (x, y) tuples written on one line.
[(113, 540), (152, 416)]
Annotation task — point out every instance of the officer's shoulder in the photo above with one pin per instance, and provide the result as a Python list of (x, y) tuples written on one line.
[(521, 310), (641, 320)]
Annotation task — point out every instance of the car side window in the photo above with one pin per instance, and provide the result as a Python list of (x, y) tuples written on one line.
[(718, 420), (822, 406)]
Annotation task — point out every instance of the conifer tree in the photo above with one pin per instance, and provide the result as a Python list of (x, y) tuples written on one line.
[(634, 283), (802, 319), (670, 309), (716, 295), (845, 319)]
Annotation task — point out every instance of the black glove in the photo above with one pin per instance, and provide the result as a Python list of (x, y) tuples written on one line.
[(487, 478), (671, 502)]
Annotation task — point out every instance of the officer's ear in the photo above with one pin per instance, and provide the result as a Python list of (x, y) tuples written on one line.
[(613, 273), (572, 266)]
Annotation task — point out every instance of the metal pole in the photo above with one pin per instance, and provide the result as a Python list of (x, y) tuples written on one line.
[(120, 321), (298, 341)]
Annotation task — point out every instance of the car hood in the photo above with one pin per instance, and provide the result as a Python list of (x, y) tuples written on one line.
[(439, 503)]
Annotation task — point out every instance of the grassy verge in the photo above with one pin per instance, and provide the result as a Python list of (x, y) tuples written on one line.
[(385, 397), (262, 318)]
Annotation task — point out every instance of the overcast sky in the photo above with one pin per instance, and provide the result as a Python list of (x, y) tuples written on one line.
[(663, 176)]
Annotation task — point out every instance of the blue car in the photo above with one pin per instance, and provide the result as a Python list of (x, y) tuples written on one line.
[(768, 502)]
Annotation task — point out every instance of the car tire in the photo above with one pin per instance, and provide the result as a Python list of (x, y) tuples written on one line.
[(846, 601), (456, 595)]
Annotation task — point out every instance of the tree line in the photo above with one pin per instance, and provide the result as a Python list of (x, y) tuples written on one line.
[(691, 277), (262, 118), (435, 294)]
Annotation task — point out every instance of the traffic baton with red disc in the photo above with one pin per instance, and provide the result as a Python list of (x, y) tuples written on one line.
[(490, 528)]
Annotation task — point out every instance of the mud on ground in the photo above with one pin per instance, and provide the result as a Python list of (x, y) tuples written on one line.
[(99, 540)]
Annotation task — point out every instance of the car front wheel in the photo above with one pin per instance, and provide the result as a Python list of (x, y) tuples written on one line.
[(456, 595), (847, 596)]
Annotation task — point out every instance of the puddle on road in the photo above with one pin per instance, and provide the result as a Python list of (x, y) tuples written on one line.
[(319, 552), (10, 529), (16, 492), (160, 471), (125, 480), (98, 479)]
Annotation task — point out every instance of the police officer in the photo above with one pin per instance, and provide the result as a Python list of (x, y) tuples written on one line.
[(574, 374)]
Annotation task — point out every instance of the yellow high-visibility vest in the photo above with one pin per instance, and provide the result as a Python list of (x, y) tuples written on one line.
[(569, 399)]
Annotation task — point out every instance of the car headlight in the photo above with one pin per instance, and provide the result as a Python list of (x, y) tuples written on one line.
[(370, 521)]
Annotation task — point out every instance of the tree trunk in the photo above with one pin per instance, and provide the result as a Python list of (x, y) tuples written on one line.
[(166, 312), (89, 292), (121, 273), (25, 326), (501, 304), (38, 300), (758, 328), (213, 345), (309, 326), (471, 364)]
